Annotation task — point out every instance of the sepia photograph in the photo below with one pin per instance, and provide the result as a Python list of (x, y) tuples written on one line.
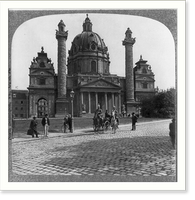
[(93, 95)]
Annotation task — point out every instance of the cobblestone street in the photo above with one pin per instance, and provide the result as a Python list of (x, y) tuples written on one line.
[(144, 152)]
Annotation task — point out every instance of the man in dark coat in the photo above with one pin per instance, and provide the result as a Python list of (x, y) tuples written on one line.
[(33, 127), (66, 123), (172, 132), (46, 123), (70, 122), (134, 120), (98, 115)]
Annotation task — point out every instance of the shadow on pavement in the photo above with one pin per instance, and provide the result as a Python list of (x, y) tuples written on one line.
[(121, 156)]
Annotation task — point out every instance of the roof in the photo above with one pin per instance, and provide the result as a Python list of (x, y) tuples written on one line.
[(84, 40)]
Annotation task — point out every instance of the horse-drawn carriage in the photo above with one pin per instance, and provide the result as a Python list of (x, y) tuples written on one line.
[(103, 124)]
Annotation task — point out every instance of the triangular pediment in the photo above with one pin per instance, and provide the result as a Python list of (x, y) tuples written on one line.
[(101, 83)]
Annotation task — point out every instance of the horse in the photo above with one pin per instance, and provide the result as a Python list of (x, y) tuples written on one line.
[(97, 123), (107, 122)]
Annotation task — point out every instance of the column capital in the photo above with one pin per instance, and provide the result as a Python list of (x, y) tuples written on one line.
[(128, 38), (60, 34), (129, 42)]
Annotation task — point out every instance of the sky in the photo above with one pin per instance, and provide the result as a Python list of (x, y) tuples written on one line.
[(154, 42)]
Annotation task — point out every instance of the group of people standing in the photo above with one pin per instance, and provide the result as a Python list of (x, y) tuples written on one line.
[(33, 126), (114, 115), (98, 115)]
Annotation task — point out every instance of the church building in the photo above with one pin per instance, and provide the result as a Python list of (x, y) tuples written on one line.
[(86, 71)]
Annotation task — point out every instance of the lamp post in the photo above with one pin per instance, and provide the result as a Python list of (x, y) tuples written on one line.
[(72, 98)]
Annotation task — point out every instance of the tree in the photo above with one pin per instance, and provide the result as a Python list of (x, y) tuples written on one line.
[(160, 105)]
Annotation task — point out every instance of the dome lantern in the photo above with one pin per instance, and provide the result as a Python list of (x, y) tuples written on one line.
[(87, 25)]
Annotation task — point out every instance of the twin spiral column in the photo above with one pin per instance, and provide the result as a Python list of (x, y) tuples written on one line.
[(61, 102), (128, 42)]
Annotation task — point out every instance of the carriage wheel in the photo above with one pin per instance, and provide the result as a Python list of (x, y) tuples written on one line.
[(107, 124)]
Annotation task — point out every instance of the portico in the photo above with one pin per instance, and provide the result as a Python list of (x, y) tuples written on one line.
[(90, 100), (99, 92)]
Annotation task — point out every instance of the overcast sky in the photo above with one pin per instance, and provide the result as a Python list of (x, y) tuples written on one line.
[(153, 41)]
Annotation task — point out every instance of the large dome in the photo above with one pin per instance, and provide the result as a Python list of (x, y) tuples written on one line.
[(88, 40), (88, 49)]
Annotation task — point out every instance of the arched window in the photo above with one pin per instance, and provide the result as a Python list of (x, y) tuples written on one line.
[(42, 64), (75, 68), (145, 85), (93, 47), (144, 71), (62, 28), (42, 81), (93, 67), (78, 69), (42, 107)]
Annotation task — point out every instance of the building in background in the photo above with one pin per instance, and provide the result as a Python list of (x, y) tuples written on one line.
[(20, 103), (42, 86), (144, 80), (87, 72)]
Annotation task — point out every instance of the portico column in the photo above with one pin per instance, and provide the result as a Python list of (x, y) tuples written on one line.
[(106, 100), (89, 98), (119, 102), (82, 98), (116, 100), (112, 99), (81, 104), (36, 109), (96, 100)]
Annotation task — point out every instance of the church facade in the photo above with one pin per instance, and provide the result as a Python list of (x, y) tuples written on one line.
[(86, 71)]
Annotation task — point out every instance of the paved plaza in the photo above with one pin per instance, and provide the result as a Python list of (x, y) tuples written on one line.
[(142, 153)]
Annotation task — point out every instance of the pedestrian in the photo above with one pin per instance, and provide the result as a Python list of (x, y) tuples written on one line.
[(134, 121), (98, 116), (46, 123), (65, 123), (172, 133), (33, 127), (70, 122), (124, 111), (114, 114)]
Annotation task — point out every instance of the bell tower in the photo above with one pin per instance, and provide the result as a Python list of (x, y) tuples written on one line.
[(61, 102), (128, 42)]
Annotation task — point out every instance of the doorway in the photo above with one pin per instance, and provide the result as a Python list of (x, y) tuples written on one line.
[(42, 108)]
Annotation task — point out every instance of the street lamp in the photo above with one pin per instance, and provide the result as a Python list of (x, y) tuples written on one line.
[(72, 98)]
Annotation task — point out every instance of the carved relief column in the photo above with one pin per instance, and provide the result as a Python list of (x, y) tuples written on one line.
[(128, 43), (61, 36), (62, 104)]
